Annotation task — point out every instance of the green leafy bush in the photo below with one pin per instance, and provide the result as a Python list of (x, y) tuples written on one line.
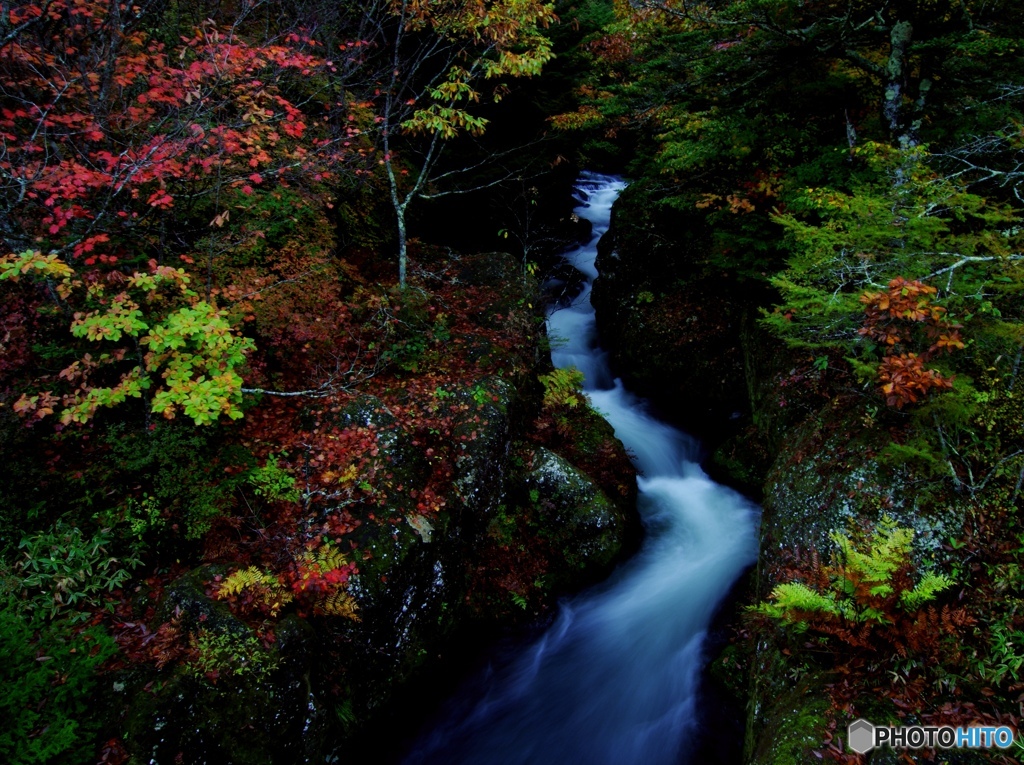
[(182, 469), (48, 671), (193, 352), (1005, 659), (273, 482), (63, 571), (223, 655)]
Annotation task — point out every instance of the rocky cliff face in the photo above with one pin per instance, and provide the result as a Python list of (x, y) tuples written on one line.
[(670, 321), (520, 524)]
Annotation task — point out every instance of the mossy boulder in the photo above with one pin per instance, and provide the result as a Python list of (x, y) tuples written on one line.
[(587, 528), (235, 698), (795, 726), (411, 585), (828, 477), (483, 443)]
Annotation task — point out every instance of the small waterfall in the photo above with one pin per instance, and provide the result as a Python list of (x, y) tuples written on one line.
[(615, 679)]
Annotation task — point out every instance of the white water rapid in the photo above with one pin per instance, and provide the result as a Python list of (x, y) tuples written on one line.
[(615, 678)]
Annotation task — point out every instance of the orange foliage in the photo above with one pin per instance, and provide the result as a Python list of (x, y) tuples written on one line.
[(890, 318), (905, 379)]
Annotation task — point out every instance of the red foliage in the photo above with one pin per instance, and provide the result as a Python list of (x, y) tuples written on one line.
[(141, 645), (105, 127), (113, 752), (123, 154), (890, 318), (17, 322), (614, 48)]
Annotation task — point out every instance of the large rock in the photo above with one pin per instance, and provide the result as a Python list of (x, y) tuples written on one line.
[(583, 524), (412, 584), (236, 700), (671, 322), (827, 477)]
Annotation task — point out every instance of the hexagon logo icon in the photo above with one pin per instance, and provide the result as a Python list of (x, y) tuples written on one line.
[(860, 735)]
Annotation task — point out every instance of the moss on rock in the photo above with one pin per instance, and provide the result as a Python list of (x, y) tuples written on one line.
[(583, 524), (237, 700), (827, 478)]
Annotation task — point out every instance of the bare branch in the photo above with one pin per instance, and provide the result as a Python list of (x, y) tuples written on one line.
[(968, 259), (355, 376)]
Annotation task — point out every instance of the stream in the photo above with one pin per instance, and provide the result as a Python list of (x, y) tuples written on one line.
[(616, 677)]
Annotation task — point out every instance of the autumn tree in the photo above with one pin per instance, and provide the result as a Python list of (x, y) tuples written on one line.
[(737, 103), (124, 169), (439, 55)]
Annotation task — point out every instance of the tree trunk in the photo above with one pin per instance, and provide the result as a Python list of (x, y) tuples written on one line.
[(402, 247), (902, 31)]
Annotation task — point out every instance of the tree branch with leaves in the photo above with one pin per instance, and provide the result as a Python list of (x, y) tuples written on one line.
[(440, 54)]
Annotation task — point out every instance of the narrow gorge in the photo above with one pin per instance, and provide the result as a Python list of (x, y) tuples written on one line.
[(615, 679)]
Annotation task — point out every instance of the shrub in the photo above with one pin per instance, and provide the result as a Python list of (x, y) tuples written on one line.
[(222, 655), (867, 596), (64, 571), (48, 671), (563, 387)]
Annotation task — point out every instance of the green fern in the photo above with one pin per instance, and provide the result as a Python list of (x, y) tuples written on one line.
[(866, 583), (793, 600), (888, 551), (563, 387), (927, 590)]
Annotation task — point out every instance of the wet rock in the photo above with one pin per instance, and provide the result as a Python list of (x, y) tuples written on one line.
[(671, 322), (581, 521), (234, 700), (412, 586)]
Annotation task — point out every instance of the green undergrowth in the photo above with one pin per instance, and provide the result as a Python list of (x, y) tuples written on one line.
[(48, 670)]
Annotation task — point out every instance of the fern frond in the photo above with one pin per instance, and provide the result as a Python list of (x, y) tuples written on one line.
[(868, 598), (264, 590), (245, 578), (325, 558), (793, 599), (927, 589), (338, 603), (563, 387)]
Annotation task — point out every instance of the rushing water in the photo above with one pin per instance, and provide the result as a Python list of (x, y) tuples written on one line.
[(615, 678)]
